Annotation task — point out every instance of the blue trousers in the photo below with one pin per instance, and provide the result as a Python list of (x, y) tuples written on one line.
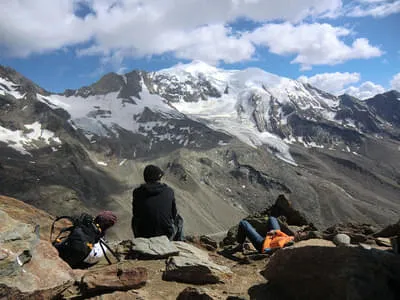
[(246, 230)]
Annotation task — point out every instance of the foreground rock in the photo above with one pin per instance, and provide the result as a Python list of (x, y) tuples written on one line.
[(30, 267), (123, 276), (332, 273), (194, 266)]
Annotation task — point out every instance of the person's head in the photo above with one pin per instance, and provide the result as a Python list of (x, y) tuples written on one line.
[(152, 174), (105, 220)]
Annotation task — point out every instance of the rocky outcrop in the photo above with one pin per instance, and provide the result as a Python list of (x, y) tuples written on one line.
[(30, 267), (332, 273), (28, 214), (358, 233), (284, 207)]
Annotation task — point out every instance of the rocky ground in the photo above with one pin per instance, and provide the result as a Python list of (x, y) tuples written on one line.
[(345, 261)]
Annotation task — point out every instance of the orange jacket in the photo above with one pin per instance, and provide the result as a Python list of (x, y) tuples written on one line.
[(276, 240)]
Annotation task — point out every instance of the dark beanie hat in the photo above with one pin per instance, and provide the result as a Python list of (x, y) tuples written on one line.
[(105, 219), (152, 173)]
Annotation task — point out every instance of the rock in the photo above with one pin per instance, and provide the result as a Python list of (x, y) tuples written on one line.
[(385, 242), (208, 243), (129, 295), (194, 266), (365, 246), (333, 273), (203, 242), (154, 248), (358, 233), (17, 242), (341, 239), (119, 277), (283, 207), (45, 276), (389, 231), (313, 242), (27, 214), (191, 293)]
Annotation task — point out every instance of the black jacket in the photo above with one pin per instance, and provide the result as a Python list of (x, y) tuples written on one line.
[(153, 210)]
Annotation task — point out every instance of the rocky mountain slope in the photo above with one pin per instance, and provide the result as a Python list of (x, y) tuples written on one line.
[(229, 140)]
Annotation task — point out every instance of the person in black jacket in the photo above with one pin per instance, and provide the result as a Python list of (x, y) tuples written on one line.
[(154, 210)]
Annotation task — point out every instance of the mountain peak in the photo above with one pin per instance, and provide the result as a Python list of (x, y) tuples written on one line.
[(194, 68), (19, 82)]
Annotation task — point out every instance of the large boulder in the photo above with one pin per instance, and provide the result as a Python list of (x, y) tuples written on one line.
[(284, 207), (28, 214), (193, 265), (30, 267), (333, 273)]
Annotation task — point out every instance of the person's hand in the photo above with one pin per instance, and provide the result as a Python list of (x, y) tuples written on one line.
[(271, 232)]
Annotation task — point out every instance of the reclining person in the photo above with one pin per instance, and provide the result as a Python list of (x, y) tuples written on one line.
[(154, 210), (274, 239)]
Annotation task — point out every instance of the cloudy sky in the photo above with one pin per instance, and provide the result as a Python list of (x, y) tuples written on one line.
[(338, 46)]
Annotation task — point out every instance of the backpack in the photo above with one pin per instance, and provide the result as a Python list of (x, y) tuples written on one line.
[(74, 243)]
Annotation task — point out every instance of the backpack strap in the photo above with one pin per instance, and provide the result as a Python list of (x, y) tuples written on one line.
[(102, 243), (62, 230)]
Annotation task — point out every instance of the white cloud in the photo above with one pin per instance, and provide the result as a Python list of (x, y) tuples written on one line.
[(188, 29), (331, 82), (38, 26), (374, 8), (313, 44), (366, 90), (340, 83), (395, 82)]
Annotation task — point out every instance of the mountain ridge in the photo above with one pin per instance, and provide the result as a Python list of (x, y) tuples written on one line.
[(230, 142)]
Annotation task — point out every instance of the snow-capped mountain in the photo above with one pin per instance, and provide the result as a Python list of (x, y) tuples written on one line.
[(174, 107), (200, 121)]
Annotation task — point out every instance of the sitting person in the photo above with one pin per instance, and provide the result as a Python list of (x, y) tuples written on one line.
[(274, 239), (154, 210)]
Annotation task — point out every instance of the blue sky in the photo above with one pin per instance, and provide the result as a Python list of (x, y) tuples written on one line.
[(339, 46)]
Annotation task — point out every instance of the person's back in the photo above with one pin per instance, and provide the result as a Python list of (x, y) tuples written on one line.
[(154, 210), (153, 206)]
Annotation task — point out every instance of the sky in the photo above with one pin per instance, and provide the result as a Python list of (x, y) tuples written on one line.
[(338, 46)]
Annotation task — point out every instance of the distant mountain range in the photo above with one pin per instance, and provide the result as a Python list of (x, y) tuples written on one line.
[(237, 137)]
